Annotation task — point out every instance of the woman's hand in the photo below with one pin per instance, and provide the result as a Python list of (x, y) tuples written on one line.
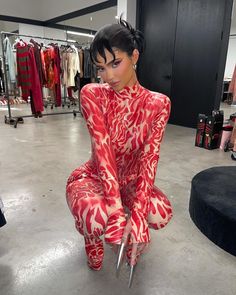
[(115, 226), (133, 248)]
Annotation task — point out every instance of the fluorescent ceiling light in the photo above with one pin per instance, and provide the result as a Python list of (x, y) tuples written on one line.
[(70, 40), (80, 34)]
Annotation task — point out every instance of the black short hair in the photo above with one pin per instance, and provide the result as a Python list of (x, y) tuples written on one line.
[(121, 36)]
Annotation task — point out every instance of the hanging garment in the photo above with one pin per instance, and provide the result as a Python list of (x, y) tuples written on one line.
[(69, 92), (23, 68), (84, 81), (57, 63), (38, 60), (232, 85), (10, 62), (50, 67), (64, 65), (73, 67), (43, 67), (28, 78), (126, 130), (81, 62), (77, 82), (76, 87), (36, 89), (90, 70), (87, 64)]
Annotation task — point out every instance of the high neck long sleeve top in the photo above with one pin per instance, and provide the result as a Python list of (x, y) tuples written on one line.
[(126, 130)]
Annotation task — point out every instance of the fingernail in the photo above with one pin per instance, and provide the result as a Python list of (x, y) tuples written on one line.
[(131, 274), (119, 258)]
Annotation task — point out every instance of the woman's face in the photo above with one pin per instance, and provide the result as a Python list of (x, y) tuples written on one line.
[(118, 72)]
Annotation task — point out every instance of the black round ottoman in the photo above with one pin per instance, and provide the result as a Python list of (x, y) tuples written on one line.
[(212, 205)]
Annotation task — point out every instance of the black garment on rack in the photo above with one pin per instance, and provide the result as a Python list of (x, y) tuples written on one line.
[(84, 81), (87, 63), (2, 219), (77, 82), (89, 67)]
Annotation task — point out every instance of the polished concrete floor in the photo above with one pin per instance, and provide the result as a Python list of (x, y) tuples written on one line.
[(41, 252)]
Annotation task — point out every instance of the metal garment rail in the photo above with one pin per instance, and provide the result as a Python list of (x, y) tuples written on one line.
[(19, 119)]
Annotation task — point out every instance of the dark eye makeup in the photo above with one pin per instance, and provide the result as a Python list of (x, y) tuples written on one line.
[(113, 63)]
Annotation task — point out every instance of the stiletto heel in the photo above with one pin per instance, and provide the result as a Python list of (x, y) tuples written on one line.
[(131, 275)]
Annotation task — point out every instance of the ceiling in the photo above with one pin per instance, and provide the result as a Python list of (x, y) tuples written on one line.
[(95, 20)]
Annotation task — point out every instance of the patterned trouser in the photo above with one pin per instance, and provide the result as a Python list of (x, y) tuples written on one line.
[(88, 206)]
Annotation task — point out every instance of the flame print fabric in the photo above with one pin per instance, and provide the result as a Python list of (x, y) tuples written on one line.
[(126, 130)]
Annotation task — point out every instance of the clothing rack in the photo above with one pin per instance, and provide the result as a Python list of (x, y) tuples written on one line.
[(20, 119)]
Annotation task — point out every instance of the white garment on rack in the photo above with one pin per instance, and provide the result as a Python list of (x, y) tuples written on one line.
[(10, 61), (64, 66), (73, 67)]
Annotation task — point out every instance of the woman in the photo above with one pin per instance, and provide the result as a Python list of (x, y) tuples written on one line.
[(114, 193)]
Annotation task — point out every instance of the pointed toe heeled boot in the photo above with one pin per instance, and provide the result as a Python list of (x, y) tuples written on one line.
[(95, 252)]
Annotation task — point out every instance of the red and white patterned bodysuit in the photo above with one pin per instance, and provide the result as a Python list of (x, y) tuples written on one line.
[(126, 130)]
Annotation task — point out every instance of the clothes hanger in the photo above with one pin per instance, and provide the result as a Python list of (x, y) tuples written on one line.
[(17, 40)]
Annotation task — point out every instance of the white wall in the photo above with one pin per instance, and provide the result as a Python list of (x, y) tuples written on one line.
[(233, 22), (7, 27), (128, 10), (131, 8), (231, 54), (32, 9), (25, 29), (231, 58)]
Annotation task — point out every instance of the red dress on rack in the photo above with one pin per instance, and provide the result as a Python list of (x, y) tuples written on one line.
[(27, 76), (51, 59), (126, 130), (50, 67)]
